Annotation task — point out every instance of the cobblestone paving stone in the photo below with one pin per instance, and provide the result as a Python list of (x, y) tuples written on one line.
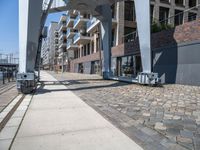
[(160, 118)]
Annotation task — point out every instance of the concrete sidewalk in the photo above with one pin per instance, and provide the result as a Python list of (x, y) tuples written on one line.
[(59, 120)]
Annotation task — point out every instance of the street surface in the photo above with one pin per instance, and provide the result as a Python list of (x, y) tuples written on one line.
[(57, 119), (165, 117)]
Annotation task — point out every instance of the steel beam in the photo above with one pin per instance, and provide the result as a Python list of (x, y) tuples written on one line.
[(30, 12), (106, 33), (142, 8)]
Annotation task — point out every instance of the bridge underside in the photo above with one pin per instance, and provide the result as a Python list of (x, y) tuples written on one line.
[(31, 22)]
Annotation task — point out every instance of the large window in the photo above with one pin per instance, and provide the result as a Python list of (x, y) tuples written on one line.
[(178, 20), (179, 2), (164, 15), (95, 67), (113, 9), (127, 66), (192, 3), (129, 11)]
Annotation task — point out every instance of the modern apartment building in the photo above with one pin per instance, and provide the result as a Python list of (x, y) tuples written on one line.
[(63, 55), (45, 54), (49, 47), (83, 51), (51, 40)]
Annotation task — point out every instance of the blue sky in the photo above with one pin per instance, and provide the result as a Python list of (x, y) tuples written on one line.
[(9, 26)]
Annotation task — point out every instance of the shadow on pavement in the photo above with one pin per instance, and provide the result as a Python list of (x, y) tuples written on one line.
[(41, 89)]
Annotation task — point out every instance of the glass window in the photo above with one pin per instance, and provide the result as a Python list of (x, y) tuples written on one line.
[(114, 66), (192, 16), (128, 66), (192, 3), (129, 11), (179, 17), (164, 15)]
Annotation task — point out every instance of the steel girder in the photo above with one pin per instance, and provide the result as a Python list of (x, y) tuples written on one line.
[(31, 20)]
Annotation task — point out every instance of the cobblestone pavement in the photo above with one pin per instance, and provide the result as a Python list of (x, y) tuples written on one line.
[(160, 118)]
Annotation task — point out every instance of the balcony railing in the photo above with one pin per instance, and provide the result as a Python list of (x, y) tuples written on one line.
[(91, 22), (62, 26), (77, 37), (178, 19), (77, 19), (129, 37), (62, 35), (68, 32), (68, 19), (69, 42)]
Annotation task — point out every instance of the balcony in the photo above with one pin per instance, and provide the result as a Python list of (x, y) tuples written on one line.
[(92, 25), (62, 45), (80, 21), (70, 33), (63, 27), (62, 36), (69, 21), (70, 45), (82, 39)]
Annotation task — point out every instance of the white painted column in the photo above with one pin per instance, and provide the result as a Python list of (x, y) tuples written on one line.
[(106, 33), (142, 8), (30, 12)]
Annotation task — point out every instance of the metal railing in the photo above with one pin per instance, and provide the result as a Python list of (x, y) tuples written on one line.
[(77, 19), (68, 31), (179, 18), (167, 23), (129, 37), (77, 36), (91, 22), (68, 19), (69, 43)]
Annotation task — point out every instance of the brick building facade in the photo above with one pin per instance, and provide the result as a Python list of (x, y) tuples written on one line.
[(83, 48)]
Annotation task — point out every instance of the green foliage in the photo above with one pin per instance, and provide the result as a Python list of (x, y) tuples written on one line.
[(157, 27)]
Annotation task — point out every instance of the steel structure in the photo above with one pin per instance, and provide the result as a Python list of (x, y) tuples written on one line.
[(32, 16)]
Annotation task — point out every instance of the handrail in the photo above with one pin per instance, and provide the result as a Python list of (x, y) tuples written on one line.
[(187, 10), (126, 38)]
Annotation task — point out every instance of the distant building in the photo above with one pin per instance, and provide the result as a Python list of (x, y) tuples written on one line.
[(45, 54), (49, 47)]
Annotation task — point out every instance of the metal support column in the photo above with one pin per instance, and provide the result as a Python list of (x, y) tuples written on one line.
[(142, 8), (30, 12), (106, 33)]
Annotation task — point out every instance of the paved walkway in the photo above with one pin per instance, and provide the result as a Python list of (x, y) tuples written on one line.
[(59, 120), (165, 117)]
